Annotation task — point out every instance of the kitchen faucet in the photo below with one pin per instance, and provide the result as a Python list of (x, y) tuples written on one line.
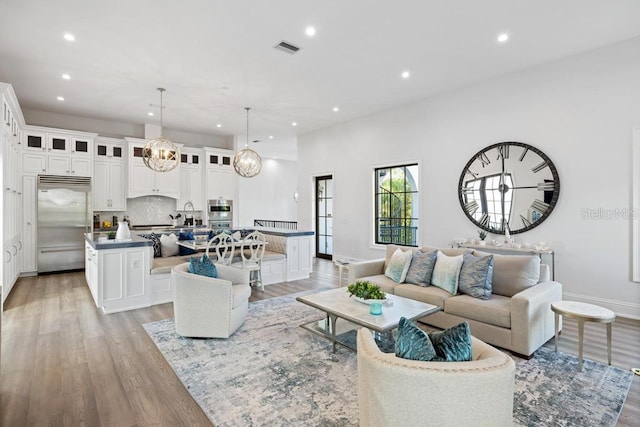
[(189, 220)]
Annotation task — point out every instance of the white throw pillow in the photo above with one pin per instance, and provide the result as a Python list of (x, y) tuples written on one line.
[(446, 272), (169, 245), (399, 265)]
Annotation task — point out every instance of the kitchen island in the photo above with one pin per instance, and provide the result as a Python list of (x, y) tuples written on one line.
[(123, 275)]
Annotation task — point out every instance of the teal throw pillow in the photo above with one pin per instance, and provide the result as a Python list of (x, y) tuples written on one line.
[(398, 265), (421, 268), (453, 344), (203, 266), (446, 272), (476, 276), (413, 343)]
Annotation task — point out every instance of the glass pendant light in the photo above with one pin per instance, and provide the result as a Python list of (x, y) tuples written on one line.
[(160, 154), (247, 162)]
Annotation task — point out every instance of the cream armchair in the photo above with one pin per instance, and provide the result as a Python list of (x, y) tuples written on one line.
[(204, 307), (399, 392)]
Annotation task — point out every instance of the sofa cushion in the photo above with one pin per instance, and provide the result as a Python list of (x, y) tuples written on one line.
[(202, 266), (447, 251), (391, 249), (168, 245), (164, 265), (421, 268), (398, 265), (186, 235), (386, 285), (453, 344), (495, 311), (476, 276), (155, 238), (446, 272), (413, 343), (514, 273), (429, 294)]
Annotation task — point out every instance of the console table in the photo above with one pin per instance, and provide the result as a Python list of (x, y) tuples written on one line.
[(545, 255)]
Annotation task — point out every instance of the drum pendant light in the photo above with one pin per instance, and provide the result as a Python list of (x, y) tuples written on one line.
[(247, 162)]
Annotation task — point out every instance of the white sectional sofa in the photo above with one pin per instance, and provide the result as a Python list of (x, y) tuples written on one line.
[(518, 319)]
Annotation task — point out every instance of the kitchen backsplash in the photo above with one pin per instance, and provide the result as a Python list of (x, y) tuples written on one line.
[(148, 210)]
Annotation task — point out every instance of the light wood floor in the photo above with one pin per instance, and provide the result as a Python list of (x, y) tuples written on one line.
[(66, 364)]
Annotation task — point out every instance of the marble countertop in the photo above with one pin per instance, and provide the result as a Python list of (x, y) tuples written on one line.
[(100, 241)]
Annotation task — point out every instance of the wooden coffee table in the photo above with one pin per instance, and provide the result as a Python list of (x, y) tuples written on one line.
[(336, 303)]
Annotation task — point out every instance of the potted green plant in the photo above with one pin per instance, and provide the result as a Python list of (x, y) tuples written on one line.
[(111, 235), (365, 291), (482, 234)]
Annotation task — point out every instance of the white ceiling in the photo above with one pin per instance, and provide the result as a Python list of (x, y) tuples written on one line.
[(215, 57)]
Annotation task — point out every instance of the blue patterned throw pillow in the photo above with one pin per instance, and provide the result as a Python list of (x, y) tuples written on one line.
[(187, 235), (476, 276), (453, 344), (157, 247), (446, 272), (421, 268), (202, 266), (413, 343), (398, 265)]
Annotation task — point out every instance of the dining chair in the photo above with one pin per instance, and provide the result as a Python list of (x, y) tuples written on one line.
[(224, 248), (251, 254)]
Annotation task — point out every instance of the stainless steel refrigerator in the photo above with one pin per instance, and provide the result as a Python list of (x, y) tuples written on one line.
[(64, 215)]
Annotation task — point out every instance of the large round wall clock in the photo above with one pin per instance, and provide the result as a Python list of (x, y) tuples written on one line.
[(509, 185)]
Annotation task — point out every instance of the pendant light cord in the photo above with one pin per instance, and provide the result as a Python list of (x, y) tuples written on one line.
[(161, 89), (247, 144)]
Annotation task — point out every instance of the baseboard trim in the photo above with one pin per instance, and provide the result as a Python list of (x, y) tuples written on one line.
[(620, 308)]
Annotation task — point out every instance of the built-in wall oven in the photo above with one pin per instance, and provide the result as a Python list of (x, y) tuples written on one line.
[(220, 214)]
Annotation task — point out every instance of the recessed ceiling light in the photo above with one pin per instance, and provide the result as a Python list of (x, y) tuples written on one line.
[(69, 37), (60, 98), (310, 31), (66, 76), (270, 136), (294, 124), (405, 74), (502, 38), (336, 109), (150, 114), (218, 125)]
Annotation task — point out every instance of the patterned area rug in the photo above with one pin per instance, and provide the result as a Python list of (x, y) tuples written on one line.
[(272, 372)]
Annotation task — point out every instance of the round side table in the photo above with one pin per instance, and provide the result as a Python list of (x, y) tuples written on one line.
[(583, 312)]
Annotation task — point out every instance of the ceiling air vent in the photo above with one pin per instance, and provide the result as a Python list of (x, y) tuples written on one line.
[(287, 47)]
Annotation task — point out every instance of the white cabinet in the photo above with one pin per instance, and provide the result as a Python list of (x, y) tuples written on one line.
[(57, 152), (191, 178), (299, 257), (29, 224), (118, 278), (146, 182), (109, 175), (220, 176), (108, 186)]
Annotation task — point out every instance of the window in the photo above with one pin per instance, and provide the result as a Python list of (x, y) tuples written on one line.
[(396, 210)]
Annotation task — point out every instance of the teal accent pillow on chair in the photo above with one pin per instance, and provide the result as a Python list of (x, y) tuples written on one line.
[(453, 344), (413, 343), (202, 266)]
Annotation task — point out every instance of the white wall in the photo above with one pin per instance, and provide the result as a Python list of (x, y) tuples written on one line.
[(580, 111), (269, 195)]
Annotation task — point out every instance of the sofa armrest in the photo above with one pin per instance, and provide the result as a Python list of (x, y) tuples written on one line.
[(365, 268), (532, 321)]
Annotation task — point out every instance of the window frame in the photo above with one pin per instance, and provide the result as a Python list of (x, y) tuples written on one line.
[(376, 242)]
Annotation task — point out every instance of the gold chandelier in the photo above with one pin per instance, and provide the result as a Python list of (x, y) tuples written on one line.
[(247, 162), (160, 154)]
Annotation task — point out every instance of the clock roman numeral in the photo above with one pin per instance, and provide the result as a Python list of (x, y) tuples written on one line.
[(524, 153), (546, 186), (503, 151), (539, 167), (467, 190), (471, 207), (484, 219), (539, 206), (473, 174), (484, 159), (525, 221)]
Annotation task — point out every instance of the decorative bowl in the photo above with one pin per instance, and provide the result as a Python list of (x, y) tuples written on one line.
[(369, 301)]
